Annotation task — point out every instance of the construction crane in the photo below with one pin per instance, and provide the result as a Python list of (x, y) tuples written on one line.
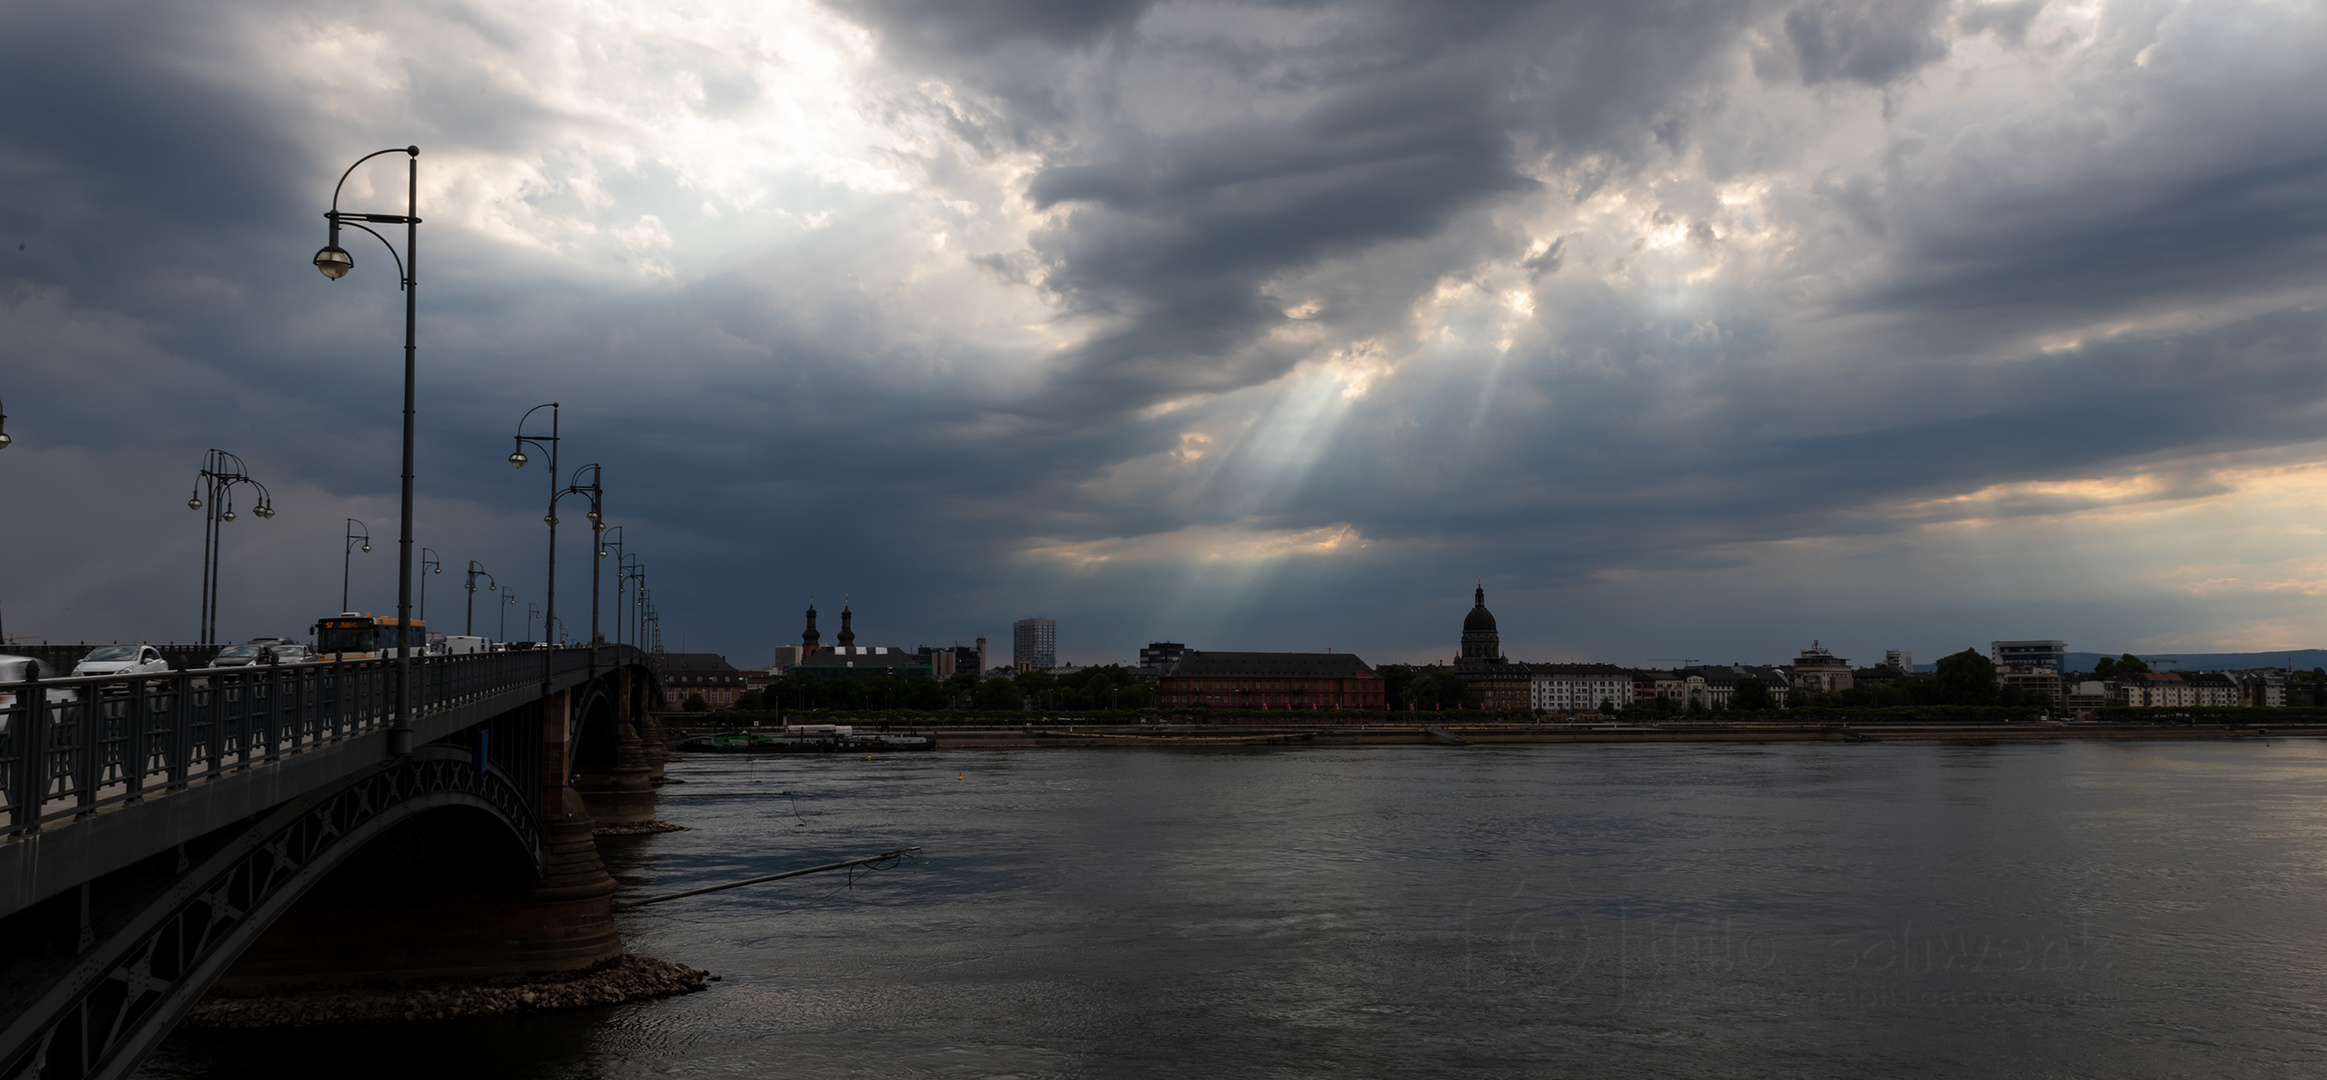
[(1684, 661)]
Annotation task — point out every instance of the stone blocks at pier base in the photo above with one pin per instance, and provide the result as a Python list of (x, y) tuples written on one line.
[(622, 796)]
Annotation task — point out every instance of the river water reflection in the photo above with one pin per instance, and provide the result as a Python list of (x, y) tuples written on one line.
[(1895, 909)]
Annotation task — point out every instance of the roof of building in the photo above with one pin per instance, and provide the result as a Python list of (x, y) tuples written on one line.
[(1268, 665), (1818, 656), (841, 656), (1609, 670), (697, 663)]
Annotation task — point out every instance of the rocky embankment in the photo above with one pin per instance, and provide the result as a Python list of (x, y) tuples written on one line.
[(643, 828), (625, 978)]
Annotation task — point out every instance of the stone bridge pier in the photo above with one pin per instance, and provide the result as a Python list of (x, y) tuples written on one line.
[(613, 771), (432, 901)]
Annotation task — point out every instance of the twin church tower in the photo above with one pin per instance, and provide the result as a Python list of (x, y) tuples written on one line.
[(809, 638)]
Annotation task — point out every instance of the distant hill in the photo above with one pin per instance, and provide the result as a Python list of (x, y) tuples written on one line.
[(2303, 659)]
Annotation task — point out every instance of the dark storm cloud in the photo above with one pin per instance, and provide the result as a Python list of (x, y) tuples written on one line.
[(1419, 113), (1418, 117), (1180, 235), (1869, 43), (942, 27), (787, 417)]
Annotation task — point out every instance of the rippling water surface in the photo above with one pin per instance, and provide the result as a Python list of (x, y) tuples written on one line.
[(1899, 909)]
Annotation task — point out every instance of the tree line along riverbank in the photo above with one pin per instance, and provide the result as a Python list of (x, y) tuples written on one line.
[(2225, 717)]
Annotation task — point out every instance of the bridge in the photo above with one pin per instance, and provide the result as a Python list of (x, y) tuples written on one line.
[(250, 827)]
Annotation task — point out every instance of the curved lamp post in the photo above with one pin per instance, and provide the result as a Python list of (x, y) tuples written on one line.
[(220, 473), (475, 572), (635, 613), (547, 444), (356, 531), (430, 563), (508, 600), (597, 518), (610, 542), (335, 263)]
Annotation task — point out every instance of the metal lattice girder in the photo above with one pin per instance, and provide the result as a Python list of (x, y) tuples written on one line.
[(125, 993)]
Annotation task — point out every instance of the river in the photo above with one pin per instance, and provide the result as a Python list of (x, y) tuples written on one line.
[(1792, 910)]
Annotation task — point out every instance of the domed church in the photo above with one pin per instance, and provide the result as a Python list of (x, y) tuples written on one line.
[(1481, 645), (1495, 682)]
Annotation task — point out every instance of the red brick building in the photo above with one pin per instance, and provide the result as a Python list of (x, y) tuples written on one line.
[(1257, 680), (708, 674)]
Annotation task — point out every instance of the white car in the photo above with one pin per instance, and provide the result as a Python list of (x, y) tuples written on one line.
[(122, 660)]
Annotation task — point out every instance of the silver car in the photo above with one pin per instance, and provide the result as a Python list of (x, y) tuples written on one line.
[(122, 660), (15, 669), (242, 656), (292, 654)]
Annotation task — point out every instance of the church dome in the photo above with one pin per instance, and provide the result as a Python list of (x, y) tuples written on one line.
[(1480, 620), (1480, 643)]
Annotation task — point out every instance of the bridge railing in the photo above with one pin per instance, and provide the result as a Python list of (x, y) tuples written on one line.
[(72, 746)]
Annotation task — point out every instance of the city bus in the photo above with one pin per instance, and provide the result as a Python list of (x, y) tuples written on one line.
[(350, 636)]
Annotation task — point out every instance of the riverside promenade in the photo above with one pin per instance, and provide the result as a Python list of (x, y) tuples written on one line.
[(1058, 732)]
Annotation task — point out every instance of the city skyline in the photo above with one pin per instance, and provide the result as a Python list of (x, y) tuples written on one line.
[(1693, 329)]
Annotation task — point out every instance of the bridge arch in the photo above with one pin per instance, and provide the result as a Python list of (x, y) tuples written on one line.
[(123, 995), (599, 721)]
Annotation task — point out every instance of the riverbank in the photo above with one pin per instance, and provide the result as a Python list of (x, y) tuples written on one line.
[(622, 979), (1250, 734)]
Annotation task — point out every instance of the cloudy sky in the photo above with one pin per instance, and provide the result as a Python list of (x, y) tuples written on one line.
[(1695, 329)]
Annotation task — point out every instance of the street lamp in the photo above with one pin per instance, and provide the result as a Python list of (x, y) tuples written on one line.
[(335, 262), (4, 439), (597, 518), (517, 459), (636, 613), (356, 531), (508, 600), (220, 473), (430, 563), (475, 572), (610, 542)]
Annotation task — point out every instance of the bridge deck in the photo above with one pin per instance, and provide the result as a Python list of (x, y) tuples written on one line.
[(99, 772)]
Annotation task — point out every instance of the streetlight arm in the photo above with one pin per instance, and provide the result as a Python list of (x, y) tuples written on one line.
[(402, 278), (529, 415), (335, 188)]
